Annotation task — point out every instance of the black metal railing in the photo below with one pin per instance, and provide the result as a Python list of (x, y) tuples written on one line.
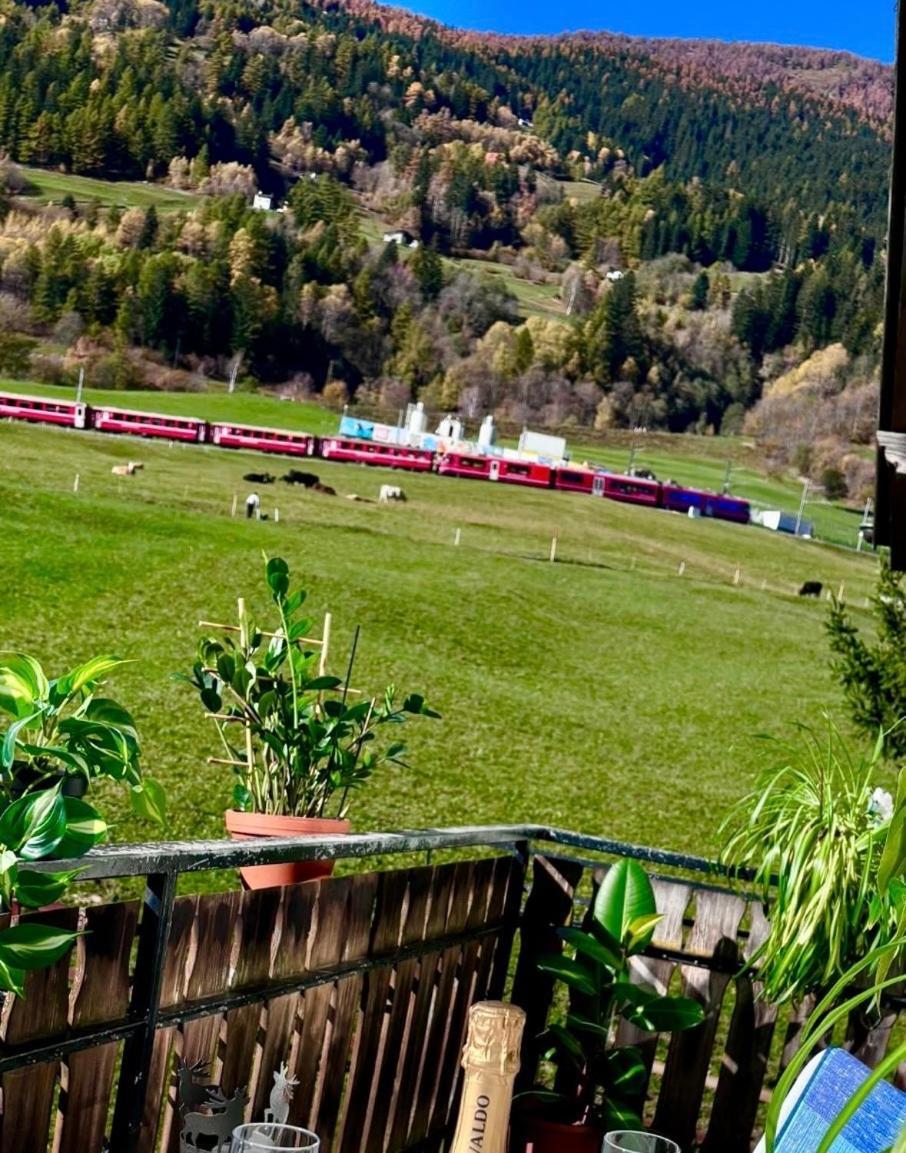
[(162, 863)]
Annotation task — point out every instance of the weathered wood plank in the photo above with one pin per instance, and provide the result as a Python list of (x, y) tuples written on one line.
[(672, 901), (713, 935), (388, 1085), (413, 1067), (259, 910), (101, 994), (746, 1055), (295, 922), (345, 1007), (548, 907), (28, 1093), (371, 1044), (438, 1023), (210, 954)]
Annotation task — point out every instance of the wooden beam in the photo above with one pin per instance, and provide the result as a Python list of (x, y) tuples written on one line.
[(890, 511)]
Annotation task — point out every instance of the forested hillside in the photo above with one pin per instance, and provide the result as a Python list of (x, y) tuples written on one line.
[(730, 223)]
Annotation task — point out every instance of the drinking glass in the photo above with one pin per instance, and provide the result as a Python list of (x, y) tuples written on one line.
[(632, 1141), (269, 1138)]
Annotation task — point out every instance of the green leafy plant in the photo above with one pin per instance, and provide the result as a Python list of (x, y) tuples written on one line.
[(870, 976), (61, 731), (816, 825), (41, 825), (298, 741), (873, 676), (598, 1083)]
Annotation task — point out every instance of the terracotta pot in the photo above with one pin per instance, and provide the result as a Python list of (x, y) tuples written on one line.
[(243, 826), (532, 1135)]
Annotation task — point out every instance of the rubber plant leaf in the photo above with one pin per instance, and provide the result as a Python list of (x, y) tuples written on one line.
[(625, 895)]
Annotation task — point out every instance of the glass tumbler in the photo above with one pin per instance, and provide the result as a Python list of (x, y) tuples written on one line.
[(269, 1138), (633, 1141)]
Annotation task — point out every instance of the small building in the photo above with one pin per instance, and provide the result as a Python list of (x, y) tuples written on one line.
[(263, 202), (402, 238)]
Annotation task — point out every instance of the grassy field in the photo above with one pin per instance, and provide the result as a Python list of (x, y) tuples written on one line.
[(695, 461), (48, 186), (603, 692)]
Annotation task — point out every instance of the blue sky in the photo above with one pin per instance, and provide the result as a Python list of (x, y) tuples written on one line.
[(866, 27)]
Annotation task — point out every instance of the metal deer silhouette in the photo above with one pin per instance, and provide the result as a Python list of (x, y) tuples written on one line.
[(281, 1095), (217, 1125), (193, 1095)]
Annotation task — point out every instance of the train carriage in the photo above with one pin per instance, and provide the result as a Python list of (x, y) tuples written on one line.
[(712, 504), (464, 464), (43, 410), (385, 455), (263, 439), (151, 424), (521, 472), (633, 489), (579, 480)]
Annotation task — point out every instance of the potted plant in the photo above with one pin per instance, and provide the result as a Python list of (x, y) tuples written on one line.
[(42, 824), (62, 733), (814, 830), (298, 741), (861, 985), (599, 1086)]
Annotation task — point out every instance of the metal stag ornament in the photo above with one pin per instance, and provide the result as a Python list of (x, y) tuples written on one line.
[(208, 1117), (281, 1095)]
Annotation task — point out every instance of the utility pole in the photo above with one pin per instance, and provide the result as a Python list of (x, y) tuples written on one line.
[(81, 385), (805, 489)]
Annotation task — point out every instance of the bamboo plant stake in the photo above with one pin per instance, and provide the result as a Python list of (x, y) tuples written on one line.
[(491, 1062)]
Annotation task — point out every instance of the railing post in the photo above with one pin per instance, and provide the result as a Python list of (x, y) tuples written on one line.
[(548, 906), (154, 931)]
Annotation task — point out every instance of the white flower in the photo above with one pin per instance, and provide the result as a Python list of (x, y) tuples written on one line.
[(880, 806)]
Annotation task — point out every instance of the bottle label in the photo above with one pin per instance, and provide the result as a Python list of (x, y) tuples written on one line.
[(479, 1123)]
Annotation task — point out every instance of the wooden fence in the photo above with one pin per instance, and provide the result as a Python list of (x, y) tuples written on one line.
[(708, 1082), (361, 984)]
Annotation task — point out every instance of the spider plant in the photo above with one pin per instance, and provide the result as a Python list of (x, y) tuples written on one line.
[(872, 972), (813, 830)]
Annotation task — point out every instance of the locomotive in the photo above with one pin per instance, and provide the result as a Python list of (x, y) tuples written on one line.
[(453, 462)]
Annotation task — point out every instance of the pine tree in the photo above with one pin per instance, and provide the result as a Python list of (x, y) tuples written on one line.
[(873, 676)]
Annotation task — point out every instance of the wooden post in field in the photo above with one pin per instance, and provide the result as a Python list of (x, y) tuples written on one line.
[(75, 483), (457, 536), (325, 645), (276, 516), (737, 575), (553, 555), (235, 502), (681, 569), (841, 592)]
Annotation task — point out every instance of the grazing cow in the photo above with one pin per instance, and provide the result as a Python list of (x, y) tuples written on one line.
[(259, 477), (811, 589), (390, 492), (129, 469), (294, 476)]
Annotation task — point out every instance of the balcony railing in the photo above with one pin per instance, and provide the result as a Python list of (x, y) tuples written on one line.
[(362, 984)]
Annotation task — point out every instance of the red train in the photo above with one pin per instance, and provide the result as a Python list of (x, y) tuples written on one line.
[(613, 486)]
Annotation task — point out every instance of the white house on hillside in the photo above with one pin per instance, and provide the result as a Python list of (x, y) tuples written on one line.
[(401, 237)]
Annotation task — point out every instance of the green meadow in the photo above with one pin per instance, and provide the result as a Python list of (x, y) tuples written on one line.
[(47, 186), (604, 691)]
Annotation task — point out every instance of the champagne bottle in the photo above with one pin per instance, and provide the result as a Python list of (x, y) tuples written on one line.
[(491, 1061)]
